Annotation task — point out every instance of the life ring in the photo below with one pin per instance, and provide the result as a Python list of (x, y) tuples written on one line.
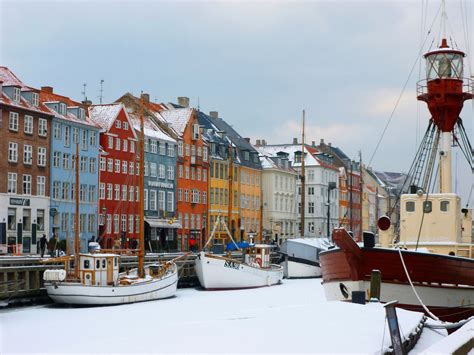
[(259, 261)]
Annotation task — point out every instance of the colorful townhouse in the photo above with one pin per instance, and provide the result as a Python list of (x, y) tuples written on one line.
[(350, 201), (279, 196), (321, 184), (72, 131), (224, 199), (25, 124), (246, 181), (161, 150), (192, 174), (119, 169)]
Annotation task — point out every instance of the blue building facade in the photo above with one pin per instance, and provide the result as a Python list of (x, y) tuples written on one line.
[(161, 223), (70, 127)]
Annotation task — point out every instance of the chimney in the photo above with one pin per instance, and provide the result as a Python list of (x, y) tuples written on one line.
[(295, 140), (183, 101), (146, 97), (329, 144), (214, 114), (47, 89), (313, 143), (247, 139), (258, 143), (86, 103), (264, 142), (322, 142)]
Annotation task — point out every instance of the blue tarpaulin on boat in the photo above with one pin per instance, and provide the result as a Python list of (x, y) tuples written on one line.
[(231, 246)]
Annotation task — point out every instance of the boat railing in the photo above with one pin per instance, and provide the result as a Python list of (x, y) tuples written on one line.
[(467, 86)]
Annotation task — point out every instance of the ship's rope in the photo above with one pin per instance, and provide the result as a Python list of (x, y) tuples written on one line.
[(414, 290)]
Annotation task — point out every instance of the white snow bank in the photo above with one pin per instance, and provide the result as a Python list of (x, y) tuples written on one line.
[(455, 341), (290, 318)]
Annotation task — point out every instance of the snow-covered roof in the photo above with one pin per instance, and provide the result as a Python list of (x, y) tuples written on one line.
[(105, 115), (151, 129), (272, 162), (290, 149), (177, 118)]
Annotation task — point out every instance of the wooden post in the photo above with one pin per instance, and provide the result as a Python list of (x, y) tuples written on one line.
[(375, 285)]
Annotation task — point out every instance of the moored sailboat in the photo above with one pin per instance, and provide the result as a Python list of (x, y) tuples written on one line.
[(94, 278)]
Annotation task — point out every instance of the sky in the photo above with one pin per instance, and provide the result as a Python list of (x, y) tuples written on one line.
[(259, 64)]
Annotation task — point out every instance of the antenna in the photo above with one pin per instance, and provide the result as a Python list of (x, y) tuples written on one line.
[(101, 90), (198, 103), (84, 91)]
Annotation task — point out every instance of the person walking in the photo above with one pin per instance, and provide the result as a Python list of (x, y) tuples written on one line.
[(43, 242)]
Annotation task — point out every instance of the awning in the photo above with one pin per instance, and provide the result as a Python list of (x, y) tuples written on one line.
[(162, 223)]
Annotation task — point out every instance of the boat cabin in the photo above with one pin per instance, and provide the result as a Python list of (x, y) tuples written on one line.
[(259, 254), (98, 269)]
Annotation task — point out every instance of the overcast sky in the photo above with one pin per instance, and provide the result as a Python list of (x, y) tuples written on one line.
[(257, 63)]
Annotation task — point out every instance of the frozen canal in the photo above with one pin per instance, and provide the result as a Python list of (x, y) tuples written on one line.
[(292, 317)]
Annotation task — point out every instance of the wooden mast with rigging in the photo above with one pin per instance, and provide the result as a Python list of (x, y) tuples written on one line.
[(302, 180), (76, 217), (141, 237)]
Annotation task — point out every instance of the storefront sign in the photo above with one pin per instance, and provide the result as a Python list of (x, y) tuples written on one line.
[(15, 201), (164, 185)]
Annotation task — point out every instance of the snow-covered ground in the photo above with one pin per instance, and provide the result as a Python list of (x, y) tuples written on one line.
[(288, 318)]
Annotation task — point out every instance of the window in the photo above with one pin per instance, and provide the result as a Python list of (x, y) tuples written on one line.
[(130, 223), (192, 173), (27, 154), (84, 139), (186, 195), (117, 143), (204, 197), (132, 147), (83, 165), (92, 165), (444, 206), (73, 191), (117, 165), (102, 164), (131, 168), (40, 220), (186, 172), (118, 124), (153, 202), (124, 192), (161, 200), (137, 223), (310, 190), (170, 150), (116, 223), (65, 191), (11, 219), (109, 224), (180, 194), (153, 146), (82, 192), (204, 153), (102, 190), (186, 221), (12, 184), (16, 94), (35, 99), (28, 124), (125, 126), (26, 219), (41, 156), (162, 171), (125, 145), (138, 168), (310, 207), (137, 194), (67, 136), (110, 142), (93, 139), (57, 130), (12, 152), (180, 171), (42, 127), (124, 167), (171, 172), (27, 184), (204, 173), (75, 135), (152, 169), (199, 174), (163, 148), (193, 150), (13, 121), (117, 192), (170, 202), (187, 149), (410, 206), (109, 191), (62, 108), (110, 164), (91, 193), (124, 223), (180, 148), (66, 161), (131, 193)]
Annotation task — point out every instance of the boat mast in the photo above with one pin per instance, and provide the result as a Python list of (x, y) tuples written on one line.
[(76, 217), (141, 247), (302, 181), (231, 183)]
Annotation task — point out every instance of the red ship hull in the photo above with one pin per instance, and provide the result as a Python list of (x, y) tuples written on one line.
[(445, 283)]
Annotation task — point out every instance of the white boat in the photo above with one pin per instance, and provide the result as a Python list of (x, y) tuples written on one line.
[(217, 272), (101, 284), (254, 269), (300, 256)]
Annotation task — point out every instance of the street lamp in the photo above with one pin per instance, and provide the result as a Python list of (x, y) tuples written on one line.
[(331, 186)]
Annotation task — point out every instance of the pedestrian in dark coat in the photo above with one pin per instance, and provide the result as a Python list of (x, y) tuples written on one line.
[(43, 242)]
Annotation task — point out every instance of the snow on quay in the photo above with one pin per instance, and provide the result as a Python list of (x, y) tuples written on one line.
[(292, 317)]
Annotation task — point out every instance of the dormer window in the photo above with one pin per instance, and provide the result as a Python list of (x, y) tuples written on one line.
[(62, 108), (35, 99), (118, 124), (16, 94), (82, 113)]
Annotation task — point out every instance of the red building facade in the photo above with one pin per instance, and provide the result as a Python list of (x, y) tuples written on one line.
[(119, 169)]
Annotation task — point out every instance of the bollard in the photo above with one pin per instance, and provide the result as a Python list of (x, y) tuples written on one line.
[(375, 285), (358, 297)]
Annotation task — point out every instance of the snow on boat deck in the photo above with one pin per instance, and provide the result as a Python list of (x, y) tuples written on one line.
[(291, 317)]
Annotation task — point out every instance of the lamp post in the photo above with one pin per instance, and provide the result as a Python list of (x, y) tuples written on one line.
[(331, 186)]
